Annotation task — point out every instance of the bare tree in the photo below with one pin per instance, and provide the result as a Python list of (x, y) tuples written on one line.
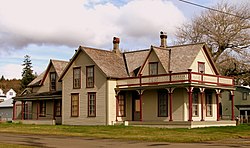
[(228, 37)]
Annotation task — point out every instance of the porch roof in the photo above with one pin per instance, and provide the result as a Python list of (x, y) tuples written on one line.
[(40, 96)]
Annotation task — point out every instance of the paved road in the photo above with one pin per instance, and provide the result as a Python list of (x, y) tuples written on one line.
[(47, 141)]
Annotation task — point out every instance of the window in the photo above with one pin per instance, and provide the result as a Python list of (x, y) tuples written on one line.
[(209, 102), (153, 68), (91, 104), (74, 105), (162, 104), (195, 104), (121, 106), (42, 109), (52, 81), (244, 96), (58, 109), (90, 76), (11, 93), (77, 77), (201, 67)]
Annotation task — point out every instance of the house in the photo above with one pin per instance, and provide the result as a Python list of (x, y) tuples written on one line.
[(241, 104), (6, 106), (169, 86), (40, 103)]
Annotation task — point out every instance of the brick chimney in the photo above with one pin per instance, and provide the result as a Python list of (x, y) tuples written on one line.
[(163, 36), (116, 42)]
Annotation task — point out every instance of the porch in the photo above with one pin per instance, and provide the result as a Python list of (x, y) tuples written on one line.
[(178, 124), (187, 99)]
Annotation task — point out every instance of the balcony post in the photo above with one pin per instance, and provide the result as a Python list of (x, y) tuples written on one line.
[(22, 110), (170, 93), (37, 109), (232, 104), (117, 104), (170, 76), (190, 102), (189, 75)]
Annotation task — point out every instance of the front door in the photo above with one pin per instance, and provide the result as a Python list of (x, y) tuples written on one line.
[(136, 108)]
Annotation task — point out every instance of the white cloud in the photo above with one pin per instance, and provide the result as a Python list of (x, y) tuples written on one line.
[(71, 23), (11, 71)]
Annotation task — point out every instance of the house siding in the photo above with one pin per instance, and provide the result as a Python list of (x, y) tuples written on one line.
[(99, 87)]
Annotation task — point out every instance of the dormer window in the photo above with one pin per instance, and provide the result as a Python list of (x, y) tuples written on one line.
[(52, 81), (201, 67), (153, 68)]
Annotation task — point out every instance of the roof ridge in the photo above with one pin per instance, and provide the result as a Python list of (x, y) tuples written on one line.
[(58, 60), (99, 49), (185, 45), (136, 51)]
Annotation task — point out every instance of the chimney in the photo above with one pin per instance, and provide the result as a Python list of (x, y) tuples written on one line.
[(163, 36), (116, 42)]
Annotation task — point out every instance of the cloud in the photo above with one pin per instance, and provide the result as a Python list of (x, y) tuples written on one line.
[(78, 22), (11, 71)]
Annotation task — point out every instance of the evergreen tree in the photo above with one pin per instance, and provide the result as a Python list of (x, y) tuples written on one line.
[(27, 74), (2, 78)]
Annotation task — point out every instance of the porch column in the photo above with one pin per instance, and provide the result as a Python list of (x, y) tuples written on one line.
[(54, 111), (170, 94), (217, 104), (232, 104), (37, 109), (23, 110), (140, 96), (202, 90), (14, 110), (117, 104), (190, 101)]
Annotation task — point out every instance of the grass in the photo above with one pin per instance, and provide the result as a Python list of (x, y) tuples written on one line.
[(133, 133), (5, 145)]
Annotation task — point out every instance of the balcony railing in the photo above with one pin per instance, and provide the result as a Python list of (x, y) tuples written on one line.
[(175, 78)]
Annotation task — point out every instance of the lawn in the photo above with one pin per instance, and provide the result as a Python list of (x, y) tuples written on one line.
[(133, 133)]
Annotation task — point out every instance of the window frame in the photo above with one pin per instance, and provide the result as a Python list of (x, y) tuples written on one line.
[(42, 108), (51, 85), (244, 95), (199, 67), (80, 82), (165, 104), (58, 108), (195, 105), (121, 104), (150, 67), (77, 106), (93, 105), (209, 105), (87, 76)]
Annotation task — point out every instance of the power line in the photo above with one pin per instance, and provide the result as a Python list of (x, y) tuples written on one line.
[(198, 5)]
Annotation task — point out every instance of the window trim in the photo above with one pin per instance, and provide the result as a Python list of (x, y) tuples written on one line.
[(51, 81), (158, 104), (60, 108), (76, 94), (42, 105), (244, 95), (89, 94), (80, 79), (124, 105), (87, 67), (149, 68), (201, 63), (209, 93)]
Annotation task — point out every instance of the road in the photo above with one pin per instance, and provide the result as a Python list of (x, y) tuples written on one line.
[(47, 141)]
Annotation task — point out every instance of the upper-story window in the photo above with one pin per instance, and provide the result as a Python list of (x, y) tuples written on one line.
[(201, 67), (153, 68), (89, 76), (52, 81), (77, 77), (11, 93), (244, 96)]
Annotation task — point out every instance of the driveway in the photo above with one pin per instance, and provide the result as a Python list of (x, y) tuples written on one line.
[(47, 141)]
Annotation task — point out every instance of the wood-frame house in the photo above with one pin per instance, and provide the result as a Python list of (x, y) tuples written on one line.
[(41, 101)]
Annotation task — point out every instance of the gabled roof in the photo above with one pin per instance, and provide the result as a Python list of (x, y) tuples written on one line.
[(6, 103), (181, 57), (110, 63), (59, 67)]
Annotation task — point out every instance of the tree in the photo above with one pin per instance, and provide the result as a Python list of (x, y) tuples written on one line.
[(2, 78), (27, 74), (227, 36)]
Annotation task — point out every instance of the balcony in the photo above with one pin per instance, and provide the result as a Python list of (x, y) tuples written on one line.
[(193, 78)]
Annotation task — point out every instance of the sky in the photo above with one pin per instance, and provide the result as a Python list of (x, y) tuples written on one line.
[(54, 29)]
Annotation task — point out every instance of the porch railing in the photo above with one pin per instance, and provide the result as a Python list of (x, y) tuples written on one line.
[(175, 78)]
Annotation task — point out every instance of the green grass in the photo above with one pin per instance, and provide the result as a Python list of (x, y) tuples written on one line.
[(133, 133), (5, 145)]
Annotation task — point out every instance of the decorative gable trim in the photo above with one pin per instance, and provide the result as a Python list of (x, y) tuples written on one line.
[(205, 49), (46, 72), (144, 63)]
